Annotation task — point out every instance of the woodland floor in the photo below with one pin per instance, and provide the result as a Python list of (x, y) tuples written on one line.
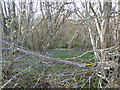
[(31, 72)]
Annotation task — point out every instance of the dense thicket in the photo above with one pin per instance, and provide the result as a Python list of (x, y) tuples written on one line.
[(36, 26)]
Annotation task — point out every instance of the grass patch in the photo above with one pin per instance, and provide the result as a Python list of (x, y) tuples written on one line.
[(87, 56), (51, 74), (65, 53)]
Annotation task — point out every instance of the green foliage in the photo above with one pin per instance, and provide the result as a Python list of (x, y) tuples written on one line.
[(33, 27), (86, 87), (21, 14), (14, 31), (22, 28)]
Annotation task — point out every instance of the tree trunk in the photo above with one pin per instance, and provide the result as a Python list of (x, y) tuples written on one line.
[(118, 43), (90, 31), (103, 27), (0, 46)]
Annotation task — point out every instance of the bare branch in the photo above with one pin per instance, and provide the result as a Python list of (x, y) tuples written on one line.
[(43, 56)]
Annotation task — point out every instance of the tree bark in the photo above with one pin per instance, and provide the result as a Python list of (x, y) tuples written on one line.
[(118, 43), (103, 27), (1, 32)]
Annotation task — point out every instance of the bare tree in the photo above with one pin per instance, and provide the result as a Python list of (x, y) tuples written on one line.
[(103, 27)]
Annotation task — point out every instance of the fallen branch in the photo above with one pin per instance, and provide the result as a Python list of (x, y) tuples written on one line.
[(97, 50), (42, 56)]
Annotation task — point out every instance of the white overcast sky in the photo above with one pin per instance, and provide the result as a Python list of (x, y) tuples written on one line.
[(78, 2)]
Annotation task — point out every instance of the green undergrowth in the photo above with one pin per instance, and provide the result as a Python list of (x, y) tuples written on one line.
[(63, 54), (87, 56), (50, 74), (71, 53)]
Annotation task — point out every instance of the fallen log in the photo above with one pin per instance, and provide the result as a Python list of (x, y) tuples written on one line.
[(57, 60)]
